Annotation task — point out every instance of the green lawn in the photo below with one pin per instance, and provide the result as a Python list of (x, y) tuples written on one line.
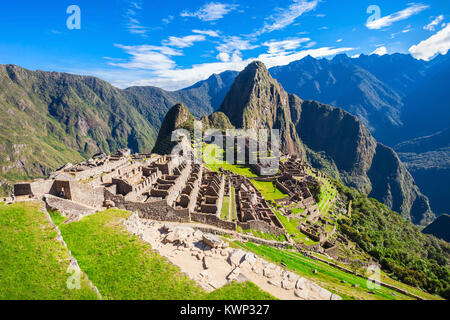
[(291, 227), (327, 276), (33, 263), (122, 266), (214, 159), (233, 204), (239, 291), (269, 190), (297, 210), (225, 214)]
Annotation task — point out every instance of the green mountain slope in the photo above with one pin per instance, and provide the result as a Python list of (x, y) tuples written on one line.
[(48, 119)]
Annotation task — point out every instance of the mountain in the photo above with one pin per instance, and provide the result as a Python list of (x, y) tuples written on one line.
[(332, 139), (257, 101), (440, 228), (178, 117), (202, 98), (387, 93), (428, 160), (48, 119)]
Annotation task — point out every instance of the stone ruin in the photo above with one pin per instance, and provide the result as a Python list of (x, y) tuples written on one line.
[(253, 212)]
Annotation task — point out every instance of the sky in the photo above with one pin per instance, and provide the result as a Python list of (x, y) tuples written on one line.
[(174, 44)]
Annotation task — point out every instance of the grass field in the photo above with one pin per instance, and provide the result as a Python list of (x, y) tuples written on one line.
[(214, 159), (346, 285), (33, 263), (291, 227), (225, 214), (269, 190), (124, 267)]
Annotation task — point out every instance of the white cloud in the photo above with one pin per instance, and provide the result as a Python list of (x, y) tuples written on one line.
[(210, 33), (429, 48), (398, 16), (339, 40), (150, 69), (381, 51), (284, 59), (148, 57), (235, 44), (311, 44), (288, 15), (134, 26), (184, 42), (356, 56), (282, 47), (433, 24), (168, 20), (211, 11)]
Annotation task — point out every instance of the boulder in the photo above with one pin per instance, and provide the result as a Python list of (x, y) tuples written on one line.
[(178, 235), (212, 240), (250, 258), (287, 284), (274, 282), (236, 257), (269, 271), (301, 284)]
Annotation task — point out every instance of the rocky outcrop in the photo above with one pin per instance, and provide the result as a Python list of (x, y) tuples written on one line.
[(178, 117), (257, 101)]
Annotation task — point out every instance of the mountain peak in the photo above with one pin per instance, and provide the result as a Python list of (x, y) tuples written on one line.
[(178, 116)]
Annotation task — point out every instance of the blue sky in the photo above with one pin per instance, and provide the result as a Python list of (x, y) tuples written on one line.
[(173, 44)]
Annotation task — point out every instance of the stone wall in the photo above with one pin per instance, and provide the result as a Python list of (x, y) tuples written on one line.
[(155, 210), (262, 226), (96, 171), (37, 188), (213, 220), (86, 194), (176, 190)]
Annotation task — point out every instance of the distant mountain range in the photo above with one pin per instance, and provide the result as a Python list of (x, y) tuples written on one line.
[(396, 96), (330, 138)]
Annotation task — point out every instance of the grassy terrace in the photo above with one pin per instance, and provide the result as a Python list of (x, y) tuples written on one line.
[(262, 235), (291, 227), (348, 286), (269, 190), (33, 263), (122, 266), (225, 214), (214, 159)]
